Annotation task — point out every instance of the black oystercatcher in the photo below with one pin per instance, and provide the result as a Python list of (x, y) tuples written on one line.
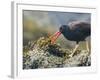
[(74, 31)]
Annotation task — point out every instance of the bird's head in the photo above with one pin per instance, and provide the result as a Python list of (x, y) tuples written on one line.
[(55, 36), (63, 28)]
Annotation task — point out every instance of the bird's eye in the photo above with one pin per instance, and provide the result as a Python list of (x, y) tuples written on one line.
[(61, 29)]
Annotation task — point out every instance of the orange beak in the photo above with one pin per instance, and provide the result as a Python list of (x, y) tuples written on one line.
[(55, 36)]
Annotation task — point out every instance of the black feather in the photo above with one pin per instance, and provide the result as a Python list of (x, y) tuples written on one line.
[(76, 31)]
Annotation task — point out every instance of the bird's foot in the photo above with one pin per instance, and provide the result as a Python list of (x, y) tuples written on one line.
[(88, 51), (71, 55)]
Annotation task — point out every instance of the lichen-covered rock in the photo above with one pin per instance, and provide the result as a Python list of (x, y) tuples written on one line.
[(43, 54), (81, 59)]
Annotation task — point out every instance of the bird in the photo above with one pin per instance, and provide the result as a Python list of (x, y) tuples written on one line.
[(74, 31)]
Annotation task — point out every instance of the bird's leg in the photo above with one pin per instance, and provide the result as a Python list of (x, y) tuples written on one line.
[(77, 45), (87, 46)]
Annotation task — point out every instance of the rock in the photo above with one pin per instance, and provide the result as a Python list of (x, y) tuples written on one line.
[(81, 59), (43, 54)]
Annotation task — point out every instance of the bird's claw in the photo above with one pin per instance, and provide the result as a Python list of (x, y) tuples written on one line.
[(70, 55)]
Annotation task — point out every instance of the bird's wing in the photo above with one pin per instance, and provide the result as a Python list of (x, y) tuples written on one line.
[(78, 27)]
